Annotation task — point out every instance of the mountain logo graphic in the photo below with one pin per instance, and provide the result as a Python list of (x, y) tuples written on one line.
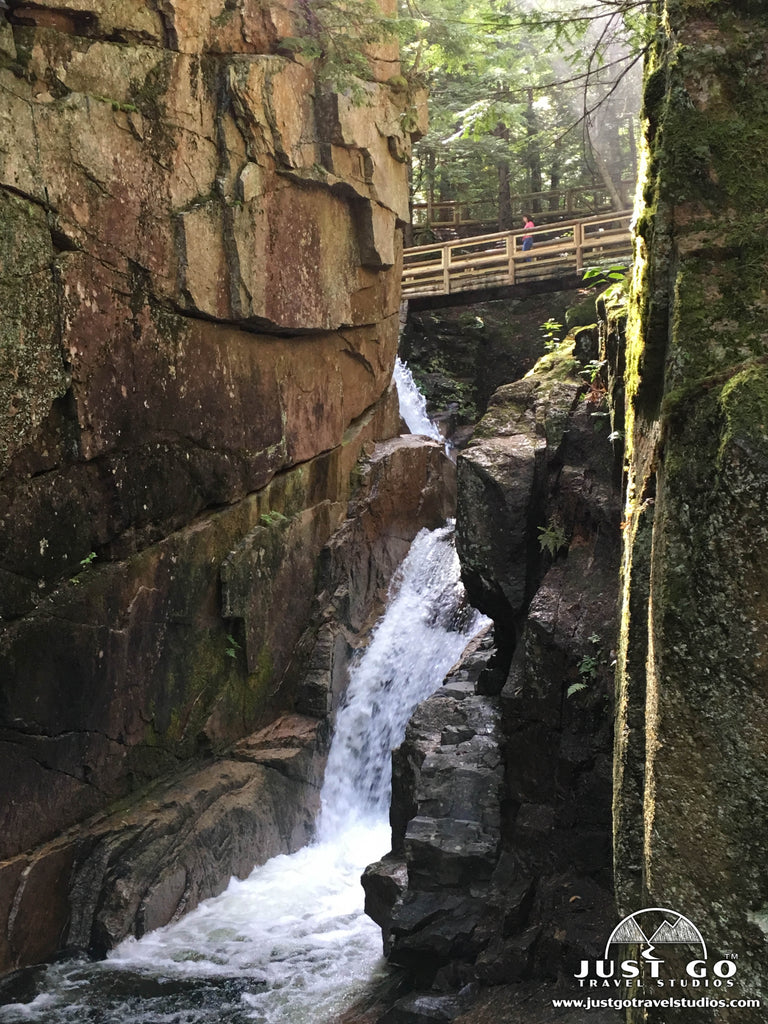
[(656, 926)]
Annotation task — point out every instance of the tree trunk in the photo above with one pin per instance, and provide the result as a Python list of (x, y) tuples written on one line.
[(505, 196), (554, 183), (604, 171), (534, 153)]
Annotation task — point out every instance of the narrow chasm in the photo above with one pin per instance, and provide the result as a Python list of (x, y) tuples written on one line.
[(499, 880)]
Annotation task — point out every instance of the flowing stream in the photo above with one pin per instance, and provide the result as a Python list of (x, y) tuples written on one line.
[(413, 404), (290, 944)]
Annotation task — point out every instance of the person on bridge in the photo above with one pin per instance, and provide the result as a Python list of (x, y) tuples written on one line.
[(527, 239)]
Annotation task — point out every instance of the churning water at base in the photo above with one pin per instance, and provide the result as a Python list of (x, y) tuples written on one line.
[(290, 944)]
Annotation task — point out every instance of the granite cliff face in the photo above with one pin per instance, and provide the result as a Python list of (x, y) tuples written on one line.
[(199, 246), (691, 758)]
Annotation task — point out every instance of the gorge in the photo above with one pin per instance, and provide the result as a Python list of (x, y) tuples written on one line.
[(206, 489)]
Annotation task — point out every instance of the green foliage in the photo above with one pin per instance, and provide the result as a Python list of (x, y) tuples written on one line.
[(85, 563), (232, 646), (589, 666), (575, 688), (593, 374), (551, 331), (616, 275), (552, 537), (509, 84), (336, 34), (272, 519), (592, 370), (617, 272)]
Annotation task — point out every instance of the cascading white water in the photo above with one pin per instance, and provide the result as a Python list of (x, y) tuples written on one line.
[(290, 944), (413, 404)]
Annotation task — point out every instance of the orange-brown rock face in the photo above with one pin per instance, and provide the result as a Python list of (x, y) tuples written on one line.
[(199, 285)]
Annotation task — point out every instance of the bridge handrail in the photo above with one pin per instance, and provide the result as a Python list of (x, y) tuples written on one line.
[(542, 229)]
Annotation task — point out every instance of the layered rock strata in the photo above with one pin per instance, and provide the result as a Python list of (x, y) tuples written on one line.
[(199, 245)]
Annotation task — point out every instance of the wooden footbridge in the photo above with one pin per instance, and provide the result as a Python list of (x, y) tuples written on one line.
[(496, 266)]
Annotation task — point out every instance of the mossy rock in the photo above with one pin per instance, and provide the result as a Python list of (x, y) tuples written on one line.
[(582, 314)]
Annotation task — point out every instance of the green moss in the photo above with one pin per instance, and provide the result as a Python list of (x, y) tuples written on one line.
[(744, 405), (581, 315), (559, 364), (258, 686)]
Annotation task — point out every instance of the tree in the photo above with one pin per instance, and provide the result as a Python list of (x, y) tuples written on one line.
[(520, 101)]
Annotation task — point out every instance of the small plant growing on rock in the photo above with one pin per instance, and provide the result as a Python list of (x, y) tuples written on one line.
[(85, 563), (551, 331), (272, 518), (588, 667), (593, 375), (232, 646), (552, 537)]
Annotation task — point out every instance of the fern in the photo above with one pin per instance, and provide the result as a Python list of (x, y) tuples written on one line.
[(575, 688)]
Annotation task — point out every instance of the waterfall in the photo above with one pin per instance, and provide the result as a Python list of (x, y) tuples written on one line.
[(290, 944), (413, 405)]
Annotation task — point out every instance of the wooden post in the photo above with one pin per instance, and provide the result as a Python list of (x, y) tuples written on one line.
[(578, 239), (446, 270), (509, 242)]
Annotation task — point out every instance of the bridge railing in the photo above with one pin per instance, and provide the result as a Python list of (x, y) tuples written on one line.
[(484, 261), (579, 201)]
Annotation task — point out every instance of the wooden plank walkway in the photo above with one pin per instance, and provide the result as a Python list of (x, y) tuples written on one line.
[(487, 262)]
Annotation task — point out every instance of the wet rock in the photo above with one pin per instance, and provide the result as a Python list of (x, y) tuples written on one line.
[(448, 852), (504, 478), (146, 865), (502, 804), (384, 883), (424, 1009), (445, 815)]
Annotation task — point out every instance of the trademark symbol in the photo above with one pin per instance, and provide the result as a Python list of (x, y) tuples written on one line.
[(731, 956)]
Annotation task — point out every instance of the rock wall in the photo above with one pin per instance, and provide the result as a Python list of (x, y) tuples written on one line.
[(692, 755), (200, 250)]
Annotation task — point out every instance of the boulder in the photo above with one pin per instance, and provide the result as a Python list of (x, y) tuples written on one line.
[(504, 478)]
